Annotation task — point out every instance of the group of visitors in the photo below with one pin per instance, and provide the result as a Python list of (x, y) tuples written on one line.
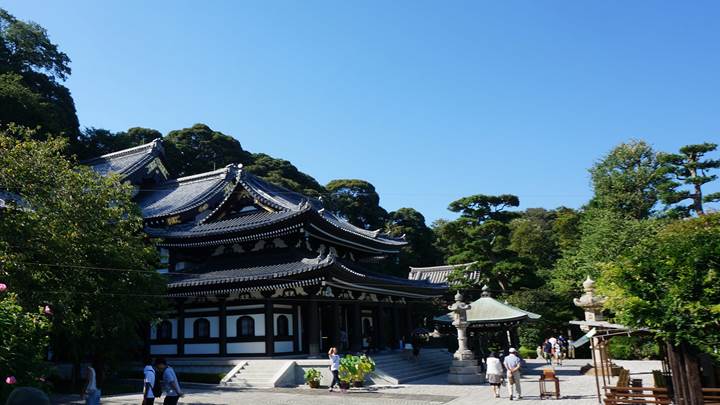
[(159, 379), (554, 349), (497, 371)]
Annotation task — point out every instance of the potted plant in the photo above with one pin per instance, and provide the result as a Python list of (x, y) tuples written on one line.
[(354, 369), (313, 377)]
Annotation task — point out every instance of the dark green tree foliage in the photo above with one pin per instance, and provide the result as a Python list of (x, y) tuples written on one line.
[(31, 67), (283, 173), (357, 202), (420, 250), (628, 180), (23, 339), (79, 247), (533, 237), (482, 235), (670, 283), (199, 149), (95, 142), (688, 168)]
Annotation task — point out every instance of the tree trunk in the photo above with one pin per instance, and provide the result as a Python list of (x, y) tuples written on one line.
[(675, 374), (692, 375), (697, 200)]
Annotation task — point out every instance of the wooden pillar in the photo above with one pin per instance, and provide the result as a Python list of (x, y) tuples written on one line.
[(355, 331), (381, 333), (409, 320), (313, 334), (296, 330), (397, 334), (269, 328), (181, 327), (223, 327), (335, 325)]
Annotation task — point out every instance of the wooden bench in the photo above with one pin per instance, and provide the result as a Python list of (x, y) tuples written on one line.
[(711, 396), (624, 395)]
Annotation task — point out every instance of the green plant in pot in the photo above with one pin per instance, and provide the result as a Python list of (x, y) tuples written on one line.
[(354, 369), (313, 377)]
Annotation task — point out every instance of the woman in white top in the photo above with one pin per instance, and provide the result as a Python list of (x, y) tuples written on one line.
[(494, 373), (334, 367)]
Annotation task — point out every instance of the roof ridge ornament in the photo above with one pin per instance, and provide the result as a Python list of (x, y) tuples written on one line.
[(486, 291)]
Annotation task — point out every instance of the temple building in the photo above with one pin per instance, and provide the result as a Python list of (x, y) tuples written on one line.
[(254, 269)]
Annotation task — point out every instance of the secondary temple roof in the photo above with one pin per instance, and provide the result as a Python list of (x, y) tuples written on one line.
[(291, 269), (486, 310), (439, 274), (127, 161)]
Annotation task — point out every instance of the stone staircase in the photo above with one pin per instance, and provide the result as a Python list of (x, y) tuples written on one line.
[(256, 373), (398, 367)]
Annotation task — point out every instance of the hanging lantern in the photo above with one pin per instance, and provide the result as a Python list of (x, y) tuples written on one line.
[(3, 287), (10, 380)]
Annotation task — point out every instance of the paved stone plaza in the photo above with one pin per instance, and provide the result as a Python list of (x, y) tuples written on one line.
[(575, 389)]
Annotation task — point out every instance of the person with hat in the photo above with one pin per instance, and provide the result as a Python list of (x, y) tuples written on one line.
[(512, 363)]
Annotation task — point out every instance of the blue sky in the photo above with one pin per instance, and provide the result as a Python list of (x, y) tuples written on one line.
[(429, 101)]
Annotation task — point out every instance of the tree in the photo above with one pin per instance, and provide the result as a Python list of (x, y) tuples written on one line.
[(23, 339), (283, 173), (670, 284), (533, 237), (31, 67), (628, 180), (199, 149), (420, 251), (482, 235), (357, 202), (689, 169), (77, 247)]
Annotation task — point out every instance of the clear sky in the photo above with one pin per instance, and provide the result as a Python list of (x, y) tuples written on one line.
[(429, 101)]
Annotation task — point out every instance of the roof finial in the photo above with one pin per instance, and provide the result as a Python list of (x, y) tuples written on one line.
[(486, 291)]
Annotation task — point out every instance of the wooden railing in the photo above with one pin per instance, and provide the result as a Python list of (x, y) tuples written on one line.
[(623, 395)]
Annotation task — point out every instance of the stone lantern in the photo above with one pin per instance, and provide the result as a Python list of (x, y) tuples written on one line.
[(464, 369), (592, 304)]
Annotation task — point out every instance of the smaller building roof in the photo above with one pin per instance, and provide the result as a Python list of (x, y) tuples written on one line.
[(488, 310), (126, 161), (439, 274)]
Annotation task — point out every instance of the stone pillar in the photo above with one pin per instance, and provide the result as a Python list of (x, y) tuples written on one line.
[(593, 306), (355, 331), (296, 330), (223, 326), (313, 334), (181, 327), (269, 328), (464, 369)]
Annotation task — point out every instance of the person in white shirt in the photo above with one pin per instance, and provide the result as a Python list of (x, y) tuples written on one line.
[(334, 367), (171, 386), (494, 373), (149, 383), (91, 393), (512, 364)]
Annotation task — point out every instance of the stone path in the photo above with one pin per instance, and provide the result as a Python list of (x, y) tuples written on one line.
[(575, 389)]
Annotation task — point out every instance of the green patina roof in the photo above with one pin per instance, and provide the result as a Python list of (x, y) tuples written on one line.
[(490, 310)]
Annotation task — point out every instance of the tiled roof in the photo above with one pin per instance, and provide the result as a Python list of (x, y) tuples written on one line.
[(489, 310), (439, 274), (125, 162), (244, 222), (249, 269), (175, 196)]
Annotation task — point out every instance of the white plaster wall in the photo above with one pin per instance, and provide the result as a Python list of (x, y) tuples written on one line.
[(214, 326), (283, 347), (246, 347), (202, 348), (163, 349), (259, 324), (290, 323)]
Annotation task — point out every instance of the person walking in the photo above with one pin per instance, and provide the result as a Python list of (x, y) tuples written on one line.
[(557, 353), (91, 393), (494, 373), (149, 381), (512, 364), (334, 367), (171, 385), (547, 349)]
